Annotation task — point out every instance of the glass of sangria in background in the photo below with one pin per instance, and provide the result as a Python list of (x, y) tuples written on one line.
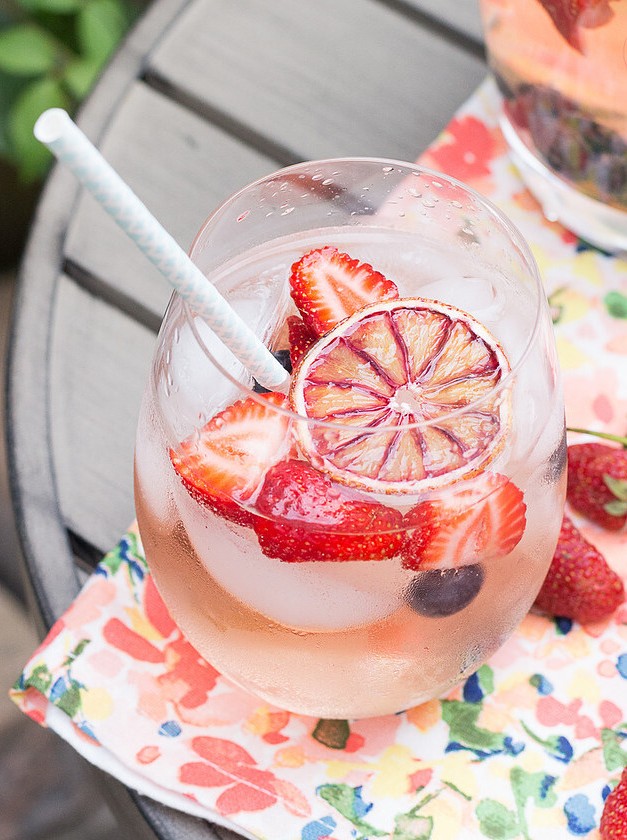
[(366, 540), (561, 68)]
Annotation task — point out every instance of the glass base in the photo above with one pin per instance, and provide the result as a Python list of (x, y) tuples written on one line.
[(597, 223)]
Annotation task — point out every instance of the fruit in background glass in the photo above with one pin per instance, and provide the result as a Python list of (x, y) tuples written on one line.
[(569, 15), (560, 67), (570, 140)]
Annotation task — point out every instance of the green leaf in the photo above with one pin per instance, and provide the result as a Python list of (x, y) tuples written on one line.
[(27, 50), (616, 508), (462, 721), (10, 87), (79, 76), (614, 755), (412, 827), (77, 650), (57, 7), (485, 675), (332, 733), (616, 303), (496, 821), (70, 701), (101, 25), (32, 157), (535, 786), (40, 679), (344, 799), (616, 486)]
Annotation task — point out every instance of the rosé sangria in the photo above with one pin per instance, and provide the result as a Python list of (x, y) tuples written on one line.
[(562, 69), (364, 541)]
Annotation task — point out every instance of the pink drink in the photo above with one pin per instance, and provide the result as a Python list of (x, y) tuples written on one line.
[(562, 70), (318, 615)]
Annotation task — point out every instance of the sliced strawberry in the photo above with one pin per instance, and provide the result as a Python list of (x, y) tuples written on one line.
[(300, 338), (223, 464), (328, 286), (483, 519), (306, 518)]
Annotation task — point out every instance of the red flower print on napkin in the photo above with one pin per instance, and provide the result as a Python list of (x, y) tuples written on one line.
[(465, 150), (186, 680), (247, 787)]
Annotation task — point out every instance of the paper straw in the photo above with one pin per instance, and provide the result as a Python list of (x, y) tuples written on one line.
[(67, 142)]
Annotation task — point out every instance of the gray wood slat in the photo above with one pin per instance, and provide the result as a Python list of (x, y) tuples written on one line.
[(368, 81), (181, 167), (461, 15), (51, 576), (99, 363)]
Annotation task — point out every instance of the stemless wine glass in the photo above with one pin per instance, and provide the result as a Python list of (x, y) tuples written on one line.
[(364, 542)]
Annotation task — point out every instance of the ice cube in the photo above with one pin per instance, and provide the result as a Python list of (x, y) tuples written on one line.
[(196, 388), (262, 301), (306, 596), (479, 296)]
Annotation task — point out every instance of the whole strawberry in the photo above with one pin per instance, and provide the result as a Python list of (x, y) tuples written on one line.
[(597, 483), (579, 583), (614, 818)]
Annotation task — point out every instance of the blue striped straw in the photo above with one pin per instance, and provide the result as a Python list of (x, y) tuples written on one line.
[(67, 142)]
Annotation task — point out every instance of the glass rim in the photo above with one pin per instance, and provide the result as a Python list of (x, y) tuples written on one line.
[(512, 231)]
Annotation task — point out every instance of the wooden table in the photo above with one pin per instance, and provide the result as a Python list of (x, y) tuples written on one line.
[(204, 96)]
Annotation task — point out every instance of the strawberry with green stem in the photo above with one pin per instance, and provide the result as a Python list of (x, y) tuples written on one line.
[(597, 480)]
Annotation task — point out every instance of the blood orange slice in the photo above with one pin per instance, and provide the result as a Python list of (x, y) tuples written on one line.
[(407, 392)]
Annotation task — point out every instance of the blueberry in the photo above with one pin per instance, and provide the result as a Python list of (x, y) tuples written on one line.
[(438, 593), (283, 357)]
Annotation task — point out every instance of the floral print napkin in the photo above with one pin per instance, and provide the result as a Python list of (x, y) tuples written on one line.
[(528, 747)]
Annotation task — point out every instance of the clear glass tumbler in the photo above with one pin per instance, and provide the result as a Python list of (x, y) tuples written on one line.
[(561, 68), (365, 541)]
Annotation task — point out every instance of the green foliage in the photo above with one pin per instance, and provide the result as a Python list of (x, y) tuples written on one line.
[(51, 53)]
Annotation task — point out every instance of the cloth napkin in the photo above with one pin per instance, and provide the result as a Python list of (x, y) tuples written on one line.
[(528, 747)]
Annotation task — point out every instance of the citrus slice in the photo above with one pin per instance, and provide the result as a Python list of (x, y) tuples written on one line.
[(408, 394)]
